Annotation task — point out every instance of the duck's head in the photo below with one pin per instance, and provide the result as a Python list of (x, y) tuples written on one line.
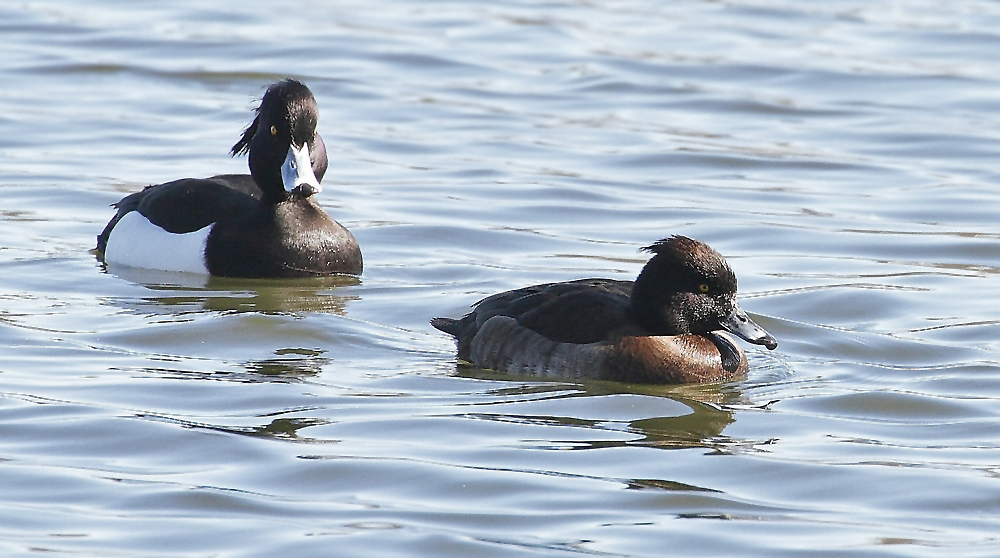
[(687, 287), (287, 155)]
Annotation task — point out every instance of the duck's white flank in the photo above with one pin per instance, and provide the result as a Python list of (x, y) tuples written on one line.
[(136, 242)]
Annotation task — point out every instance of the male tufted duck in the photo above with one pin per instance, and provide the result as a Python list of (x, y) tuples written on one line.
[(664, 328), (265, 224)]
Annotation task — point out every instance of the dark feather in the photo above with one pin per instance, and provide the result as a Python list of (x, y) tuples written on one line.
[(242, 147)]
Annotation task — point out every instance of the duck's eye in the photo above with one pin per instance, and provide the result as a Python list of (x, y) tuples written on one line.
[(704, 287), (274, 130)]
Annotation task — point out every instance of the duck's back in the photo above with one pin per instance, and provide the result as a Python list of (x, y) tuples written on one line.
[(582, 311)]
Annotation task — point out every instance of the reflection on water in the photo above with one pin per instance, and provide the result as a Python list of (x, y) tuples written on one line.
[(284, 368), (641, 484), (278, 428), (702, 428), (308, 363), (698, 413), (190, 292), (286, 429)]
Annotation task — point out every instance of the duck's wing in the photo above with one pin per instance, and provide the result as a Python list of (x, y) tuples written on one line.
[(181, 206), (583, 311), (243, 183), (190, 204)]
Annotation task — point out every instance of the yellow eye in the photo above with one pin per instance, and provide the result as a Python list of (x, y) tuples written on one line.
[(274, 130), (704, 287)]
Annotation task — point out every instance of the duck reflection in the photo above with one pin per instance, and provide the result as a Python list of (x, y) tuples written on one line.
[(310, 363), (283, 428), (291, 365), (702, 428), (686, 416), (278, 428), (182, 293)]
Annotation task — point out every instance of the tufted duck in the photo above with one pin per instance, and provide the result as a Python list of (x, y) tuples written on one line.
[(664, 328), (265, 224)]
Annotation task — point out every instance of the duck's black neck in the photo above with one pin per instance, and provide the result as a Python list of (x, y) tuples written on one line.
[(265, 167), (651, 295)]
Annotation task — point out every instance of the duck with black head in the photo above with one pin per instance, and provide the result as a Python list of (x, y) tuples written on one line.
[(265, 224), (672, 325)]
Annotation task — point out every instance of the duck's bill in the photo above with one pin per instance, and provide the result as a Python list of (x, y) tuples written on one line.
[(297, 173), (739, 324)]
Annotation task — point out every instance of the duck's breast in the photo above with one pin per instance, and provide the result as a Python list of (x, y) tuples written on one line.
[(295, 238), (311, 239), (671, 359)]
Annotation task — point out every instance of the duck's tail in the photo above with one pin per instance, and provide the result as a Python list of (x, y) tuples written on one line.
[(447, 325)]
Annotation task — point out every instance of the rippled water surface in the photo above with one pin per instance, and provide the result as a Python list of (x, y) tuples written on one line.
[(843, 155)]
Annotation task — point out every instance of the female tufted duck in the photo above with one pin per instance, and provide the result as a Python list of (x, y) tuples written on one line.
[(265, 224), (664, 328)]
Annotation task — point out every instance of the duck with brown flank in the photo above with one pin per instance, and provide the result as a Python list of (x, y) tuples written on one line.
[(672, 325)]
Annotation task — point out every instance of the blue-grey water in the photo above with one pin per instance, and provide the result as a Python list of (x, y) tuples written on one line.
[(844, 155)]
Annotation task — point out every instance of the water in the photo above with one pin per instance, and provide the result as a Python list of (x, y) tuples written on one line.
[(842, 155)]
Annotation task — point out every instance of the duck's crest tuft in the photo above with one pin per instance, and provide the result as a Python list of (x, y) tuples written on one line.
[(693, 254)]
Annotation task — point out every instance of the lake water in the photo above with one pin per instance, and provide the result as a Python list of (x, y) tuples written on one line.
[(843, 155)]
